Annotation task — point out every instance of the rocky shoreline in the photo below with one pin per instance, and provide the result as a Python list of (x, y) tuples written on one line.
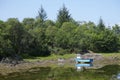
[(22, 66)]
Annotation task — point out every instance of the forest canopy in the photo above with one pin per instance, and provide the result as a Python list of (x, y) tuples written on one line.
[(42, 37)]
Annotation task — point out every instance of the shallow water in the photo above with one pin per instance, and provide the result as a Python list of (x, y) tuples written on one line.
[(108, 72)]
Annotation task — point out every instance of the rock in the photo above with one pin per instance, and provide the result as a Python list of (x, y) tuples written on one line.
[(12, 60), (92, 56), (60, 60)]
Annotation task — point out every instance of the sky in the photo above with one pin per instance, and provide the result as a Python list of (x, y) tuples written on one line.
[(80, 10)]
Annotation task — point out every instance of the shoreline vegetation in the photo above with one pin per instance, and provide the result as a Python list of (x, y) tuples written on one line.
[(100, 60)]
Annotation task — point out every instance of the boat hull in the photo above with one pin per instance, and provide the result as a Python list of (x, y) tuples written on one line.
[(84, 60)]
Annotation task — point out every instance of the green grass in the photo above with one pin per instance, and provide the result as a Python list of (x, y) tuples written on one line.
[(111, 55), (67, 56), (51, 57)]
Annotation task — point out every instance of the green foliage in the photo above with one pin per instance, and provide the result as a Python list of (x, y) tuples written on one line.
[(41, 37), (41, 18), (28, 23), (39, 46), (51, 37), (116, 30), (104, 41), (63, 16), (42, 14), (16, 35), (49, 23), (101, 25)]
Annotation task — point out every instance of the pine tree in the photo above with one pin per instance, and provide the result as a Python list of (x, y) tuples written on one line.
[(42, 14), (101, 25), (63, 16)]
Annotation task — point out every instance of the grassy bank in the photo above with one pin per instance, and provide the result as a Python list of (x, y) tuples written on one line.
[(106, 55), (67, 56), (51, 57)]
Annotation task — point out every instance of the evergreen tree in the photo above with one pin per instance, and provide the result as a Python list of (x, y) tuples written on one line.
[(63, 16), (101, 25), (42, 14)]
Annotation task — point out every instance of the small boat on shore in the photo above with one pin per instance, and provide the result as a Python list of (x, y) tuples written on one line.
[(84, 60), (118, 76)]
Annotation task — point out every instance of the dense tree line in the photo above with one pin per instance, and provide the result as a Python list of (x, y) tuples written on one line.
[(42, 37)]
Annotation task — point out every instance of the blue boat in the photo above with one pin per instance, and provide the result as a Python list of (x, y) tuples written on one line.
[(83, 65), (84, 60), (118, 76)]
